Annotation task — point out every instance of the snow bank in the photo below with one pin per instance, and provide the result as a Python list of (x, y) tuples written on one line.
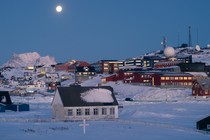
[(97, 95)]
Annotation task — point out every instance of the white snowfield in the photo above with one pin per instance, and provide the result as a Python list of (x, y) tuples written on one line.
[(155, 113)]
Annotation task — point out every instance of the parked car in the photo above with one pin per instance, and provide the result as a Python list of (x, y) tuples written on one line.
[(128, 99)]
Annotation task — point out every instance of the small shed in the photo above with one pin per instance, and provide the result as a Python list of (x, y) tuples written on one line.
[(203, 124), (2, 107), (6, 103), (18, 107), (5, 98)]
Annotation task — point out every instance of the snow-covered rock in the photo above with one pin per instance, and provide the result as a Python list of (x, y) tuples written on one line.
[(29, 59)]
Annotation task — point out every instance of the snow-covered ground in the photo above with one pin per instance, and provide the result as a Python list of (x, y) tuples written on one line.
[(155, 113)]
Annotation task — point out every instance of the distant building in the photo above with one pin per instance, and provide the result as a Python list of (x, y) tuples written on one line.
[(71, 65), (62, 67), (192, 67), (149, 61), (203, 124), (184, 58), (201, 87), (173, 80), (84, 73), (79, 103), (107, 66), (164, 64), (152, 78), (6, 103), (133, 62)]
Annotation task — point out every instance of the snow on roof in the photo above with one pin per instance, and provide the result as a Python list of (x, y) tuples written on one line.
[(97, 95), (198, 74)]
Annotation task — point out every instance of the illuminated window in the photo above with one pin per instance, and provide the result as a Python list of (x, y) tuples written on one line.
[(171, 78), (167, 78), (185, 78), (189, 78), (176, 78), (85, 73), (206, 91), (162, 78), (189, 83), (185, 83), (180, 78)]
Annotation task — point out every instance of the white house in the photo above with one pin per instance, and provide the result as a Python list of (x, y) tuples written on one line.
[(79, 103)]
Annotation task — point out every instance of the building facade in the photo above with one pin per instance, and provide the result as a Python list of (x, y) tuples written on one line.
[(201, 87), (84, 73), (75, 103), (107, 66)]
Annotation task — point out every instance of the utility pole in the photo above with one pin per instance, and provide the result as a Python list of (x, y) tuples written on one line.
[(190, 41)]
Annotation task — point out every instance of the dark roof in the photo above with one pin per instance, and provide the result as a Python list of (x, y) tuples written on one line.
[(71, 96), (5, 98), (202, 124), (85, 69), (174, 74), (205, 83), (153, 58)]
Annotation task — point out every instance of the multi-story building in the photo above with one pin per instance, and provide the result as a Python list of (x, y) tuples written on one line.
[(107, 66)]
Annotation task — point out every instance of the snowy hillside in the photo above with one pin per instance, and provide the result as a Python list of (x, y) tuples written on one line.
[(29, 59), (203, 55), (150, 116)]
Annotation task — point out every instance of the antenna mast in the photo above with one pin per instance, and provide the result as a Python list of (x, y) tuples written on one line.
[(164, 42), (190, 41)]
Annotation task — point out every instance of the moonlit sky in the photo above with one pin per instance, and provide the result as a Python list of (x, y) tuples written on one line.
[(92, 30)]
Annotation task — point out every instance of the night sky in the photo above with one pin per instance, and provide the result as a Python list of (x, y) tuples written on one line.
[(92, 30)]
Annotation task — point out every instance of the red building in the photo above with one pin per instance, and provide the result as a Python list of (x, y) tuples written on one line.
[(71, 65), (173, 79), (153, 78), (62, 67), (201, 87), (164, 64)]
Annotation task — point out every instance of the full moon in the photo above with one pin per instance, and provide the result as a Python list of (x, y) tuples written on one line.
[(58, 8)]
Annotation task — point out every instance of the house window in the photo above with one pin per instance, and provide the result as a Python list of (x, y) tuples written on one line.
[(176, 78), (112, 111), (79, 112), (95, 111), (180, 78), (167, 78), (185, 78), (206, 91), (189, 78), (171, 78), (185, 83), (70, 112), (87, 111), (162, 78), (162, 84), (104, 112)]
